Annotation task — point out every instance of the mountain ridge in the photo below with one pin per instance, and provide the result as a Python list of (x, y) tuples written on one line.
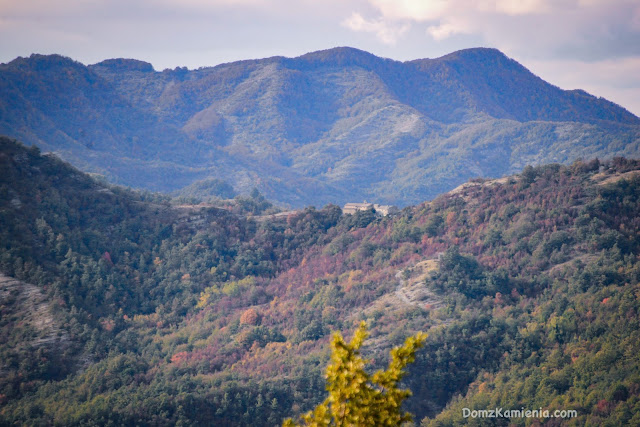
[(130, 309), (345, 123)]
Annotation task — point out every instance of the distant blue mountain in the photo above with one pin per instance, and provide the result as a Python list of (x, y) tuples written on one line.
[(330, 126)]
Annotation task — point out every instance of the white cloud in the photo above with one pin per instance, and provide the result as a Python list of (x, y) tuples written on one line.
[(520, 7), (429, 10), (587, 29), (412, 9), (387, 33), (446, 30)]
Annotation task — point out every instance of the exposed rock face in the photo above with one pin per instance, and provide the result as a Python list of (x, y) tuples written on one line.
[(26, 305)]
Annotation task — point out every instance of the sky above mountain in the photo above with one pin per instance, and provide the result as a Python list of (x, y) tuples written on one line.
[(588, 44)]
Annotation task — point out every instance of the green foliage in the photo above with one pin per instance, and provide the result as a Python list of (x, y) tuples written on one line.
[(529, 294), (255, 204), (356, 397), (361, 218), (207, 189)]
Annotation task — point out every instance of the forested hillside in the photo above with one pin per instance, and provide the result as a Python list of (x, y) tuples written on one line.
[(142, 311), (309, 130)]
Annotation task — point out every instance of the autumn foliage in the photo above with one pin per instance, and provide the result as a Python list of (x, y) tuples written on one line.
[(356, 397)]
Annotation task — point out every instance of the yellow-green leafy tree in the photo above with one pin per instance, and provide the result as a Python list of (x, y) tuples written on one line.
[(357, 398)]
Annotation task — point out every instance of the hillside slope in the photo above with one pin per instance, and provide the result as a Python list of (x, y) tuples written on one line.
[(528, 287), (329, 126)]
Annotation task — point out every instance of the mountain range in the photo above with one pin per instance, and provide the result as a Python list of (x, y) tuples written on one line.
[(327, 127)]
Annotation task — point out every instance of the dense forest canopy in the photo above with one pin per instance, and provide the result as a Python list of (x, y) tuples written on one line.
[(133, 309)]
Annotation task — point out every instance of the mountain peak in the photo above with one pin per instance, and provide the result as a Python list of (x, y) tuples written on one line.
[(125, 64), (485, 57), (341, 56), (469, 54), (478, 51), (42, 62), (338, 51)]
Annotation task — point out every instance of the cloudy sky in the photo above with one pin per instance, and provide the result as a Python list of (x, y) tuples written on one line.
[(588, 44)]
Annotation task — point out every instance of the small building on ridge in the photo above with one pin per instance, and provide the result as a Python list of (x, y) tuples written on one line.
[(384, 210)]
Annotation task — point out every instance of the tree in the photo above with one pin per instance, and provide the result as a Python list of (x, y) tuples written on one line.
[(357, 398), (528, 176)]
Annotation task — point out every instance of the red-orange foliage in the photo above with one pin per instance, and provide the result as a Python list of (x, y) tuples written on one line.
[(179, 358), (451, 218), (250, 317)]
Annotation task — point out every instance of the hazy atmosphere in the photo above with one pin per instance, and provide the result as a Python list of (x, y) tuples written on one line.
[(589, 44), (300, 213)]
